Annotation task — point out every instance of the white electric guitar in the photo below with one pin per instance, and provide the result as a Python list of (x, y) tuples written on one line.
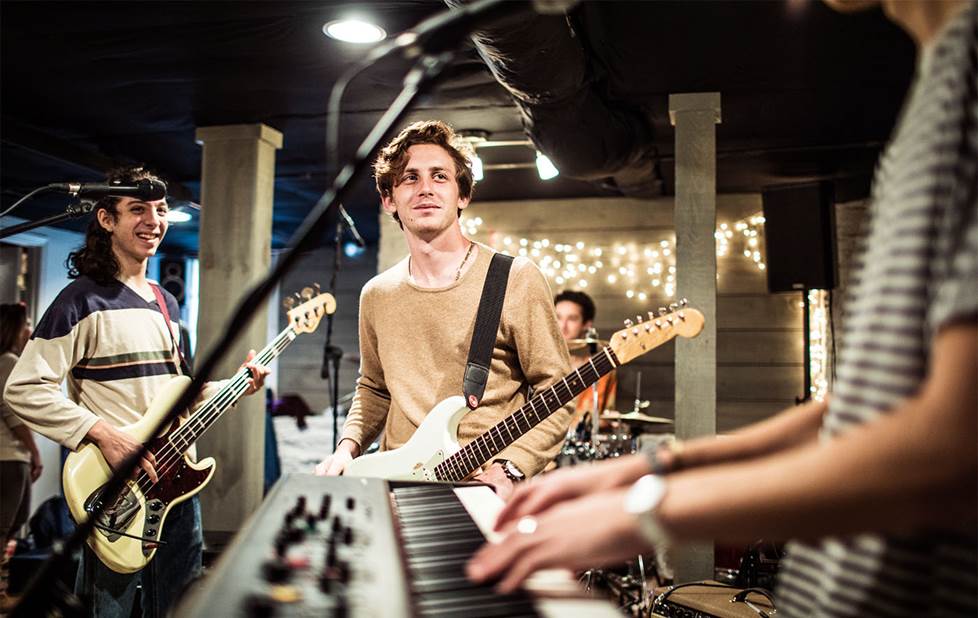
[(433, 452), (128, 532)]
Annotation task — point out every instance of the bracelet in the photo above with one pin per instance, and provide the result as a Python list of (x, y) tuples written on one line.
[(654, 456)]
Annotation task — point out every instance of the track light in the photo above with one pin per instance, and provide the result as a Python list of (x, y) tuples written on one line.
[(545, 167)]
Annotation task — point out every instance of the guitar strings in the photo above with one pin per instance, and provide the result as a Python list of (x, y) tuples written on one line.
[(169, 454), (455, 466)]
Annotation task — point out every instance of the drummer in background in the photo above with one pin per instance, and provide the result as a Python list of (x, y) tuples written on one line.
[(575, 316)]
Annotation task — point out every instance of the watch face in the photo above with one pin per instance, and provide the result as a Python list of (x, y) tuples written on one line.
[(645, 494)]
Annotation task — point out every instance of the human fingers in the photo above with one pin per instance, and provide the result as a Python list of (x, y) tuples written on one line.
[(493, 558), (336, 466), (149, 468)]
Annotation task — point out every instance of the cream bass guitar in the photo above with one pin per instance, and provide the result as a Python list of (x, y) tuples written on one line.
[(433, 452), (128, 532)]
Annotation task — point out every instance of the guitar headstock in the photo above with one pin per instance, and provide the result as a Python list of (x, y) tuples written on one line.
[(640, 336), (305, 317)]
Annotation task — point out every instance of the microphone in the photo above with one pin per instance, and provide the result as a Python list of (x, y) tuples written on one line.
[(443, 31), (147, 190), (350, 225)]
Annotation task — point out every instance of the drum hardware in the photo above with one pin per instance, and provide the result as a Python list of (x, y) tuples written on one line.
[(710, 599)]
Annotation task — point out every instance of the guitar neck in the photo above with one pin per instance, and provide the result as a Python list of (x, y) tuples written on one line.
[(212, 409), (531, 414)]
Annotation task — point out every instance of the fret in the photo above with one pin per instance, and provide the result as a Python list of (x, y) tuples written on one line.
[(191, 430)]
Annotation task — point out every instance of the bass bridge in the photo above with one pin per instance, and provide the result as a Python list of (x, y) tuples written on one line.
[(113, 522)]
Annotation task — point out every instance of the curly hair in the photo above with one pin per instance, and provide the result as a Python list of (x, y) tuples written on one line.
[(95, 258), (580, 299), (393, 158)]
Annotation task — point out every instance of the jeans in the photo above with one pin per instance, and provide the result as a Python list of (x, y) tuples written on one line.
[(174, 566)]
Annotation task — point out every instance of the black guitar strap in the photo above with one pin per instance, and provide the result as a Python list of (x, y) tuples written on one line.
[(486, 327)]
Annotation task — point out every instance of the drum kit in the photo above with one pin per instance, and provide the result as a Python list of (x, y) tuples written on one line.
[(604, 434)]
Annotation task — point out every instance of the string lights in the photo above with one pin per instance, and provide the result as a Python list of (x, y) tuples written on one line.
[(819, 342), (639, 270)]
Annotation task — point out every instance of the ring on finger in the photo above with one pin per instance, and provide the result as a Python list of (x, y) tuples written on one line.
[(526, 525)]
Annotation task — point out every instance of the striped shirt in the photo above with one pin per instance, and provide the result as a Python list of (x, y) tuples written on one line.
[(918, 272), (112, 347)]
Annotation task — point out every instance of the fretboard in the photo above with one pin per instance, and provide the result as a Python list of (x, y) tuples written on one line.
[(212, 409), (531, 414)]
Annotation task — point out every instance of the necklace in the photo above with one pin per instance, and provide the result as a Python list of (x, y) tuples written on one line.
[(458, 273)]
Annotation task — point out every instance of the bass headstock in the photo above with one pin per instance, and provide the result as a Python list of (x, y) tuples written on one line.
[(305, 317)]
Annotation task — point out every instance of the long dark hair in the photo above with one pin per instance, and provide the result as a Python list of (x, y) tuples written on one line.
[(13, 317), (95, 258)]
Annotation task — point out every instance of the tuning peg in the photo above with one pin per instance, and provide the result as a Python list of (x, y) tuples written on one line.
[(318, 289), (288, 302), (658, 323), (651, 315), (629, 323), (673, 307), (307, 293), (662, 311), (638, 319), (683, 302)]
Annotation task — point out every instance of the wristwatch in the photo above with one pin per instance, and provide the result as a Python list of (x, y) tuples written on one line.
[(511, 471), (642, 501)]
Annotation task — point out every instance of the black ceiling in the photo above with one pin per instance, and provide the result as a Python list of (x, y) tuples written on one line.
[(86, 85)]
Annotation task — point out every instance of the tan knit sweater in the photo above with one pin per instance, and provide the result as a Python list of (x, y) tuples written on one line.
[(414, 343)]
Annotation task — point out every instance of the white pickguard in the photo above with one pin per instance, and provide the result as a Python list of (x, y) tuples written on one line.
[(434, 440)]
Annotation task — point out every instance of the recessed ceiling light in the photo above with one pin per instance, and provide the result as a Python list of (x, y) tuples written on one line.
[(177, 216), (354, 31)]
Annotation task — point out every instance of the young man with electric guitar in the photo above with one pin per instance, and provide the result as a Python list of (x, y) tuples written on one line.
[(112, 334), (417, 320)]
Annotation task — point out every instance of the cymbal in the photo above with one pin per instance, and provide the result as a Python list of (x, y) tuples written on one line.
[(635, 418), (580, 346)]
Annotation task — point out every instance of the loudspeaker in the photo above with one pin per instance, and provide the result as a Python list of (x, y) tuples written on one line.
[(173, 277), (799, 232)]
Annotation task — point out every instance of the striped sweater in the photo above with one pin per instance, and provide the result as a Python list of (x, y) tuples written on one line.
[(111, 346), (918, 272)]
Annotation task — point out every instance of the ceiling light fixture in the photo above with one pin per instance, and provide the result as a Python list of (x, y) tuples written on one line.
[(354, 31), (177, 215), (545, 167)]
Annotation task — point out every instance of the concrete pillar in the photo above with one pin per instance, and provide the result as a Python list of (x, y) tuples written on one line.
[(237, 184), (695, 115)]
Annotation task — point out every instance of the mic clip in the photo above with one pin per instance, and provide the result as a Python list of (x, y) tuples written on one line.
[(79, 208)]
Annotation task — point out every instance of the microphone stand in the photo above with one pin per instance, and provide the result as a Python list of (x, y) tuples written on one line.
[(333, 354), (72, 211), (38, 598)]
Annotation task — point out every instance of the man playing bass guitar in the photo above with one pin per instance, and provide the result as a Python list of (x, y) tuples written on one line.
[(107, 334)]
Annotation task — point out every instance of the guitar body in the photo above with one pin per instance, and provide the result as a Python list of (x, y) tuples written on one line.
[(138, 514), (434, 440)]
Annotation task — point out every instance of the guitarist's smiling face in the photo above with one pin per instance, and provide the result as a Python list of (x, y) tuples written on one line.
[(426, 196), (137, 228)]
